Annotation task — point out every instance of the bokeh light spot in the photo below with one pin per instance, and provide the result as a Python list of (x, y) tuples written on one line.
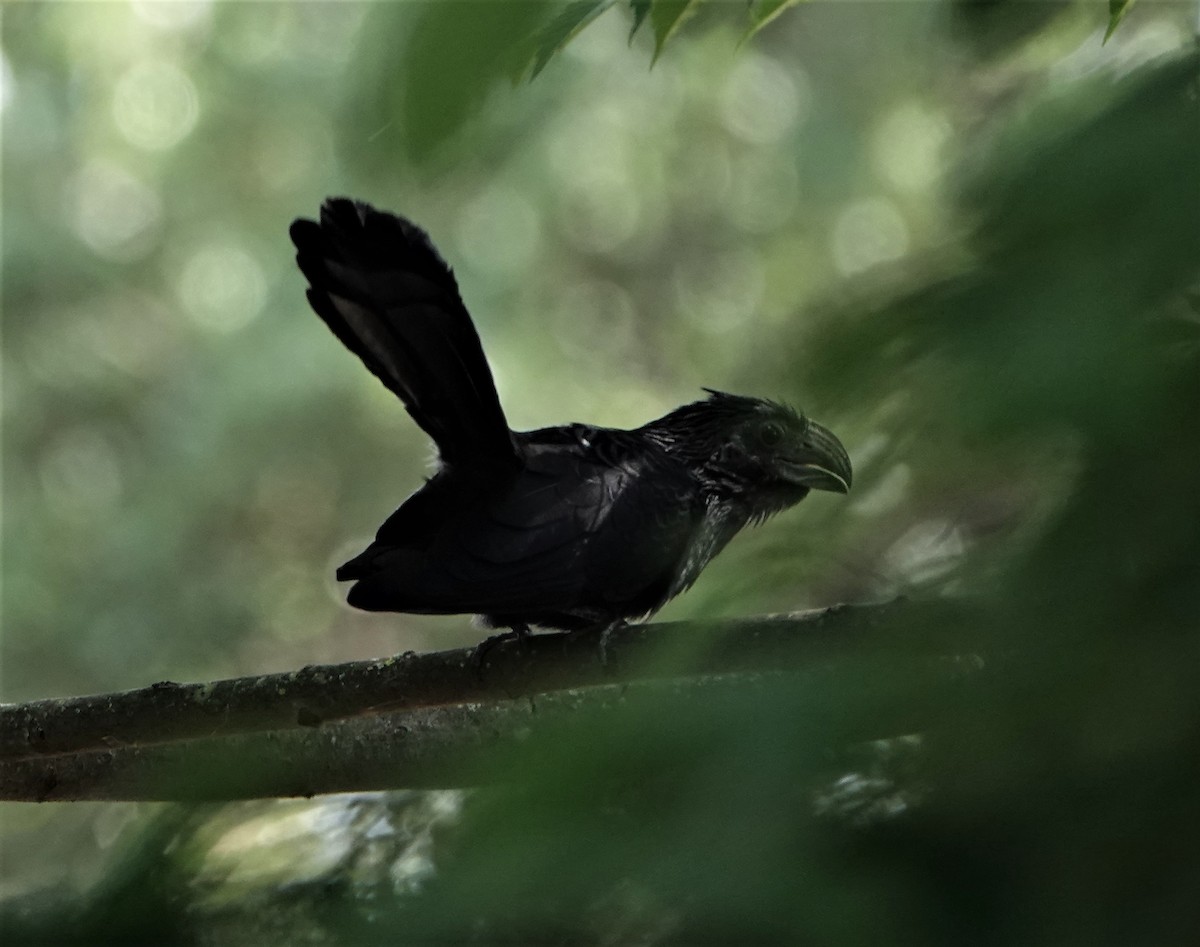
[(594, 317), (722, 293), (176, 16), (908, 145), (762, 102), (588, 143), (601, 207), (601, 214), (155, 105), (222, 287), (868, 232), (112, 212), (499, 232)]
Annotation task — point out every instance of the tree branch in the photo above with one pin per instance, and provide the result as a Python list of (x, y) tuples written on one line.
[(413, 720), (416, 749)]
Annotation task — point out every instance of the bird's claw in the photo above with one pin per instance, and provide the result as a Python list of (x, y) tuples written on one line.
[(518, 634), (603, 634)]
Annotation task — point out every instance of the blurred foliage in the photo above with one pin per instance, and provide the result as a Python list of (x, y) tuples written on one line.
[(452, 55), (664, 16), (963, 235), (565, 26)]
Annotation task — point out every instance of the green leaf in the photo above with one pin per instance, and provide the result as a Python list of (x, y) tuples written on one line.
[(666, 16), (640, 8), (555, 35), (763, 12), (452, 55), (1116, 13)]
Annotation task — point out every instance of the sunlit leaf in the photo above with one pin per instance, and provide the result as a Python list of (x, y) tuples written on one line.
[(763, 12), (564, 28), (666, 16), (1116, 13)]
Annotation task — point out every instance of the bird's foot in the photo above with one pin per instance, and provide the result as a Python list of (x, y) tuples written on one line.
[(518, 634)]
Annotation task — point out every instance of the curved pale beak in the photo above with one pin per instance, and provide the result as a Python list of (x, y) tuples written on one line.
[(819, 461)]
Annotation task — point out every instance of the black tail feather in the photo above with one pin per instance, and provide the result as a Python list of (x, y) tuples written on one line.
[(381, 287)]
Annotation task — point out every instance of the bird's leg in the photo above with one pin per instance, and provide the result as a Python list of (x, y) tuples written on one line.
[(606, 637), (603, 633), (518, 633)]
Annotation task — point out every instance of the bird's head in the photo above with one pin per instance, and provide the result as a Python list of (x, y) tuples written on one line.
[(761, 450)]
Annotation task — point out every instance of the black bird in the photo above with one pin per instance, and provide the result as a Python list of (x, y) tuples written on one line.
[(565, 527)]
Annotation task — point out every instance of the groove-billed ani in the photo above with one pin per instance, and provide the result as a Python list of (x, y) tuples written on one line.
[(565, 527)]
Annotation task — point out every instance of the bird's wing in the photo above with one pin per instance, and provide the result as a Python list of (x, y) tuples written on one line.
[(570, 534), (380, 285)]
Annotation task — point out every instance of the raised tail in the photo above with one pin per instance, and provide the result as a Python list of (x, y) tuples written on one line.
[(379, 284)]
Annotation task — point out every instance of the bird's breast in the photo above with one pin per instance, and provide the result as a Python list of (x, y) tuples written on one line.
[(719, 524)]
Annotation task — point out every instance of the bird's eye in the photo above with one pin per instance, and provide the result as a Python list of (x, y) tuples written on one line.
[(770, 434)]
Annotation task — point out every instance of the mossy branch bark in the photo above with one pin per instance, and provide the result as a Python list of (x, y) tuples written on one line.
[(416, 719)]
